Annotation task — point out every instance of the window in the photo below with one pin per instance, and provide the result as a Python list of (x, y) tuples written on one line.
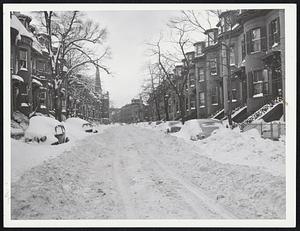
[(214, 96), (274, 33), (255, 40), (201, 74), (43, 95), (193, 105), (243, 47), (234, 95), (192, 82), (232, 56), (260, 83), (201, 99), (213, 66), (23, 58), (211, 38)]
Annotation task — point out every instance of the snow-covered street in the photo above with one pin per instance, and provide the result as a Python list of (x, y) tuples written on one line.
[(137, 173)]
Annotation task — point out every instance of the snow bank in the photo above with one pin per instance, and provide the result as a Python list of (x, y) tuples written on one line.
[(247, 148)]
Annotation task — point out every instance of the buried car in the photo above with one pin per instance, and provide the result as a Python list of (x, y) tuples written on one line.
[(173, 126), (80, 124), (198, 129), (46, 130)]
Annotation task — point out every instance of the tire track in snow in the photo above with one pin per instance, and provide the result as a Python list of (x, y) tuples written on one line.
[(194, 197), (209, 204), (121, 185)]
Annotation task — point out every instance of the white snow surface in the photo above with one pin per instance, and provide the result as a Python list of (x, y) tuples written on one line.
[(131, 172)]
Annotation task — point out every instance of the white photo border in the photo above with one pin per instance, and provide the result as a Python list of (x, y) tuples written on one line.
[(290, 61)]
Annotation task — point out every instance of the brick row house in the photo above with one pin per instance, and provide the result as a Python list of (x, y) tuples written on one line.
[(251, 43), (32, 84)]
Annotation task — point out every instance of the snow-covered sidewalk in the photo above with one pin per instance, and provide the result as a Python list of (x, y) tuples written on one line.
[(130, 172)]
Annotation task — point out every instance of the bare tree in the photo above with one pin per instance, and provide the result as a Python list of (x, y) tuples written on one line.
[(149, 89), (75, 40), (167, 61)]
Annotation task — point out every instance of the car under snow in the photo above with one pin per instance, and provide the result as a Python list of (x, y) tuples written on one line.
[(198, 129), (46, 130), (80, 124)]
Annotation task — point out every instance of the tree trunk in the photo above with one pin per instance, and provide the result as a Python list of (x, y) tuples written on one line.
[(157, 108), (182, 108), (166, 107)]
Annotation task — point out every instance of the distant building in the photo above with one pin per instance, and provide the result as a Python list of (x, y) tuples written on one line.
[(131, 113)]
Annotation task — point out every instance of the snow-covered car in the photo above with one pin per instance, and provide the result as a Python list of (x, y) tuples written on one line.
[(173, 126), (80, 124), (47, 130), (198, 129)]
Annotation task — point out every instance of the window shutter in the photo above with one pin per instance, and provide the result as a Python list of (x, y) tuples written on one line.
[(263, 39), (248, 41), (250, 83), (278, 26), (271, 39)]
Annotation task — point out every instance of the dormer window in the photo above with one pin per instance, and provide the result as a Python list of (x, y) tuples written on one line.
[(211, 38)]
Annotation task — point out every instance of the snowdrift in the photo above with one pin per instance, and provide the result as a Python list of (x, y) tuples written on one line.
[(247, 148)]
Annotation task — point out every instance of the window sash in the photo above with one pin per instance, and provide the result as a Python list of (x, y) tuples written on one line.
[(201, 99), (201, 74)]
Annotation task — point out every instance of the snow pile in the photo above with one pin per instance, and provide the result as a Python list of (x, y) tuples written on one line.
[(247, 148)]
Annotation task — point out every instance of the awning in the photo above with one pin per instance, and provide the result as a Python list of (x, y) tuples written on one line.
[(18, 78), (35, 81)]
